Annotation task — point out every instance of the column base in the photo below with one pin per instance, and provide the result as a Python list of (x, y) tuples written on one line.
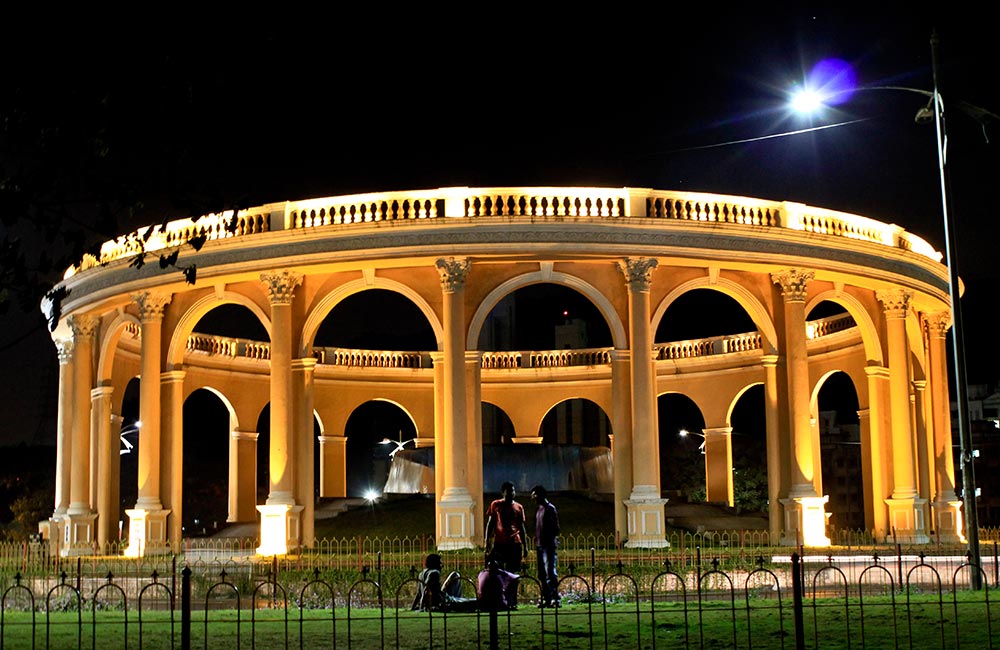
[(456, 524), (280, 524), (948, 522), (147, 532), (644, 509), (805, 521), (77, 534), (906, 520)]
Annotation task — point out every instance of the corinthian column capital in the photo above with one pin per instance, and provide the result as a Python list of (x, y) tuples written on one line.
[(453, 272), (151, 305), (937, 324), (281, 286), (895, 302), (83, 325), (793, 283), (64, 349), (638, 272)]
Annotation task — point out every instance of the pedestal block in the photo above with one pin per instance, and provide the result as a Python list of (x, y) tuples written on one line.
[(805, 521), (906, 521), (147, 532), (280, 526), (646, 518), (456, 526)]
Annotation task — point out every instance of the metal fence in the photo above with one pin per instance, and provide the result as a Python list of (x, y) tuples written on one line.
[(793, 601)]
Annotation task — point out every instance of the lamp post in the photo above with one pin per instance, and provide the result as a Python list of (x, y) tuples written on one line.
[(684, 433), (935, 110), (399, 445)]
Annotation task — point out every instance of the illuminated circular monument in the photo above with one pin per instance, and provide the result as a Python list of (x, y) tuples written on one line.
[(455, 253)]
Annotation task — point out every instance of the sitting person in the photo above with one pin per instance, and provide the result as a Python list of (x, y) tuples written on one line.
[(435, 596), (497, 588)]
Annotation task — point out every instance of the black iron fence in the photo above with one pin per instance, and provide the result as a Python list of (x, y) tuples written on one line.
[(777, 601)]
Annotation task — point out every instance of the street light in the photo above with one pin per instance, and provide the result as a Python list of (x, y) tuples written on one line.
[(683, 433), (812, 99), (399, 445)]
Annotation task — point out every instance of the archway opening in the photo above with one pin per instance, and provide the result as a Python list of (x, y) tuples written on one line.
[(264, 454), (682, 460), (232, 320), (376, 319), (840, 451), (576, 421), (749, 439), (367, 453), (544, 316), (205, 501), (497, 426), (129, 439), (703, 313)]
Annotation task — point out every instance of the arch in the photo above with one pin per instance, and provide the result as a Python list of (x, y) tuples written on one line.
[(326, 304), (602, 439), (737, 292), (113, 332), (869, 333), (554, 277), (234, 422), (186, 323), (736, 399)]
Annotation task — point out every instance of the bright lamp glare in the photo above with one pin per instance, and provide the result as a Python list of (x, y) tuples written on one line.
[(372, 496), (830, 82), (806, 101)]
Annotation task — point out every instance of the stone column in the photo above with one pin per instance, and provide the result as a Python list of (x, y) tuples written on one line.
[(772, 428), (440, 471), (923, 444), (80, 534), (242, 476), (455, 505), (279, 521), (805, 510), (53, 528), (305, 491), (644, 505), (621, 424), (719, 465), (147, 520), (946, 506), (905, 506), (473, 379), (333, 466), (876, 459), (107, 457), (64, 431), (172, 401)]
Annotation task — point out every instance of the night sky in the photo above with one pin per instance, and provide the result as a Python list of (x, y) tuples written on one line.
[(163, 119)]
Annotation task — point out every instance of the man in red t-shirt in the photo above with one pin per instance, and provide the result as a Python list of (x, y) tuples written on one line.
[(505, 535)]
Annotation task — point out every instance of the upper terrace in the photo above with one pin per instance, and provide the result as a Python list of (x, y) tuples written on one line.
[(531, 204)]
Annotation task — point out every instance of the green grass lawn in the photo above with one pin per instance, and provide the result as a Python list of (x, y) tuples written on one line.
[(579, 625)]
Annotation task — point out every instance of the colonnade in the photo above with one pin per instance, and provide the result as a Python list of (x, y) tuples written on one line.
[(906, 439)]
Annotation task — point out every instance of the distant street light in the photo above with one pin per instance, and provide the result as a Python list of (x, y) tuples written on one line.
[(810, 100), (683, 433), (127, 431), (399, 445)]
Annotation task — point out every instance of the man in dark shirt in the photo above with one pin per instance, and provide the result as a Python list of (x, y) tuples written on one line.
[(546, 541)]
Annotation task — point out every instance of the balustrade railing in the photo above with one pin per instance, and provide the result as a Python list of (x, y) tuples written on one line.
[(534, 202), (503, 360)]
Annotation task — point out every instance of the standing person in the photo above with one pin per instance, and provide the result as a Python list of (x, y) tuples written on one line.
[(505, 534), (546, 541)]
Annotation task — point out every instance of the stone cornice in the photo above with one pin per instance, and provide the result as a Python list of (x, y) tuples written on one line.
[(426, 238)]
